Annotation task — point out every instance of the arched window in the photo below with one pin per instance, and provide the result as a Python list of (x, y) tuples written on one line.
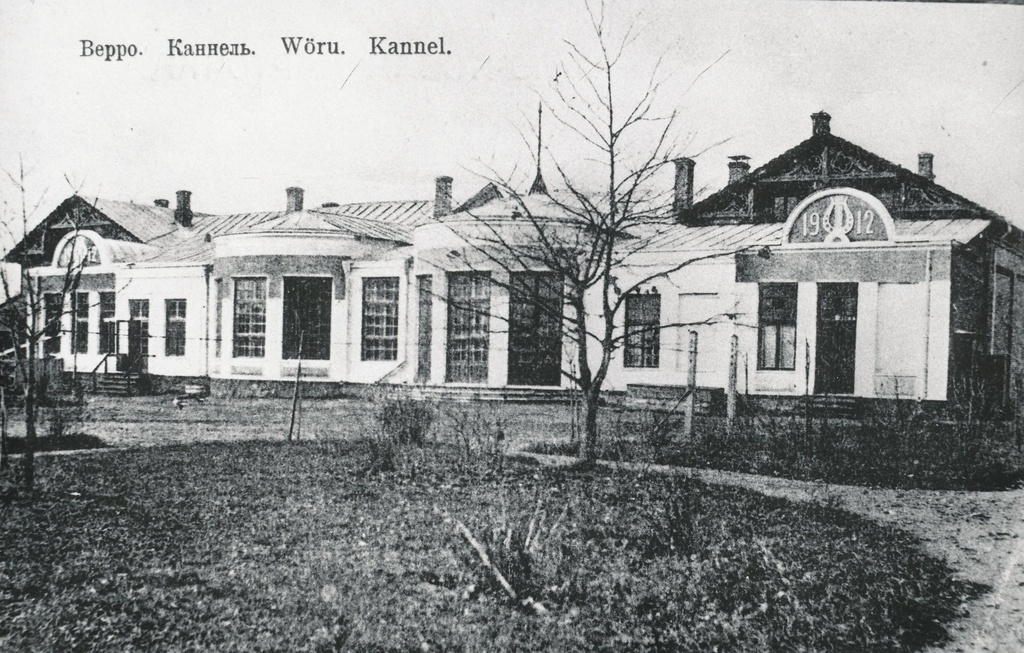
[(79, 251)]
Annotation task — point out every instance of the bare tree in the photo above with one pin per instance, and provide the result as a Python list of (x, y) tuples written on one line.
[(591, 241), (28, 319)]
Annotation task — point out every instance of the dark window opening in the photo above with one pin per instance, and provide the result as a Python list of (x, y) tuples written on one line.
[(80, 323), (426, 327), (108, 327), (535, 329), (53, 309), (174, 336), (776, 326), (307, 318), (643, 331), (380, 319)]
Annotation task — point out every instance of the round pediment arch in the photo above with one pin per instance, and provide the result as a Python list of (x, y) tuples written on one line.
[(837, 217), (81, 248)]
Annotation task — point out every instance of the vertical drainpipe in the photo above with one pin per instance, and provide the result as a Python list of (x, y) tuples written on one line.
[(207, 271), (410, 337), (927, 319)]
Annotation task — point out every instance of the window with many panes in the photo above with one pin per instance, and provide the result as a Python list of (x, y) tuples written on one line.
[(250, 325), (80, 323), (469, 304), (174, 334), (776, 326), (108, 326), (643, 331), (53, 308), (380, 318), (307, 318)]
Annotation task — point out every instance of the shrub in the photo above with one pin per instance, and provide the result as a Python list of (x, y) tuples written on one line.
[(405, 420), (478, 434)]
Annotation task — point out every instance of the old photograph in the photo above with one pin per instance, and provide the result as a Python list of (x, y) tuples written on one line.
[(473, 325)]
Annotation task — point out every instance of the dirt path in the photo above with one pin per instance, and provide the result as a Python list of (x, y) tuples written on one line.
[(980, 535)]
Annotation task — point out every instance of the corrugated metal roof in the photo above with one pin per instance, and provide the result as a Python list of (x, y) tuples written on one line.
[(410, 213), (122, 251), (740, 236), (144, 221), (317, 221), (943, 229)]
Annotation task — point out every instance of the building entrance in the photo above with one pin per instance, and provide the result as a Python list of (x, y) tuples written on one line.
[(837, 338)]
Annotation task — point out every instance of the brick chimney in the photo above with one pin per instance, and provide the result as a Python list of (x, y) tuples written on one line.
[(739, 166), (820, 123), (442, 196), (163, 204), (924, 165), (183, 212), (683, 199), (294, 199)]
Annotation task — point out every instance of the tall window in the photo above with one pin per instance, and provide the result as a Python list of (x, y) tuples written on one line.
[(138, 330), (426, 326), (307, 318), (469, 312), (53, 308), (643, 331), (174, 332), (1003, 312), (250, 332), (219, 319), (776, 326), (80, 323), (108, 326), (535, 328), (380, 319)]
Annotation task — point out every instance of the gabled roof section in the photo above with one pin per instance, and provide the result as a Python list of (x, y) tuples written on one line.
[(827, 161), (143, 221)]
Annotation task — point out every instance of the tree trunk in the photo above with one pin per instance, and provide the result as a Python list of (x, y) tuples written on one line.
[(28, 460), (588, 446)]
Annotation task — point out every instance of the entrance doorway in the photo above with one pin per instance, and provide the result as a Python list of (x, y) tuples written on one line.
[(138, 335), (837, 338)]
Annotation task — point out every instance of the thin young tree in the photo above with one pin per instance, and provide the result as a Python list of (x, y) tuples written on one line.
[(591, 239), (28, 321)]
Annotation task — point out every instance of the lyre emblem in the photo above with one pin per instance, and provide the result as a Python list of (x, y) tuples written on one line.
[(837, 226)]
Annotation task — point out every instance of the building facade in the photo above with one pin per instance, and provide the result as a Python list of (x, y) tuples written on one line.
[(837, 271)]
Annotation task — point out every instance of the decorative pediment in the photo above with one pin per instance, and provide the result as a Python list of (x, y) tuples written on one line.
[(918, 198)]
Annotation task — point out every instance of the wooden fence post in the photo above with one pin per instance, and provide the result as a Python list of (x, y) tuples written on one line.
[(691, 383), (730, 398)]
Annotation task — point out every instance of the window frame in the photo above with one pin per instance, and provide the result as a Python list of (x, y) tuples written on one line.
[(380, 319), (778, 364), (468, 341), (175, 327), (108, 324), (642, 338), (80, 322), (250, 341), (53, 312)]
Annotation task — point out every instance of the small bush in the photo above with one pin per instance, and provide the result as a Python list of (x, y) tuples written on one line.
[(479, 437), (405, 420)]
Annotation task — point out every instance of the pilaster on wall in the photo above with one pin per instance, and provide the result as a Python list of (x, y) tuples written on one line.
[(867, 330)]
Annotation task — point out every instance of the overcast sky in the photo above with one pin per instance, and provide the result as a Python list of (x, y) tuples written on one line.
[(897, 78)]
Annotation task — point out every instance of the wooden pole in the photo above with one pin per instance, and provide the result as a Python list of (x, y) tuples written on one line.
[(807, 389), (3, 428), (295, 394), (691, 383), (730, 398)]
